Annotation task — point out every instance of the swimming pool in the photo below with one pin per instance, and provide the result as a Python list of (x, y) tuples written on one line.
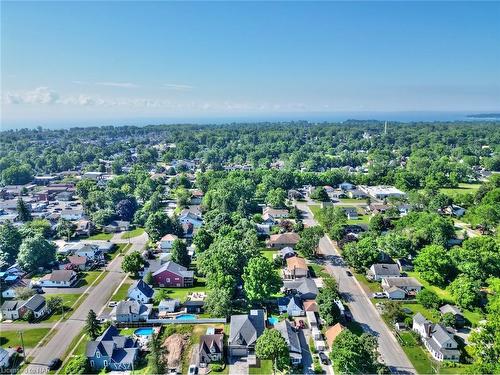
[(273, 320), (144, 332), (186, 317)]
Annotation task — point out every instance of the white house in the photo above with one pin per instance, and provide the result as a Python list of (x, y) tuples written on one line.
[(72, 215), (437, 340), (379, 270), (58, 279), (140, 291), (190, 217), (345, 186)]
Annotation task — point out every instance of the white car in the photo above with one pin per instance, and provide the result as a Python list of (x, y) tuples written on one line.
[(112, 303), (379, 295)]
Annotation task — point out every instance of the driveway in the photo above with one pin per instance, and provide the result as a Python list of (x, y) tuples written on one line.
[(238, 366), (361, 307), (97, 299)]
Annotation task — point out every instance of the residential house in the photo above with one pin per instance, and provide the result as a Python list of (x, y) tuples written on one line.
[(172, 274), (287, 252), (140, 291), (92, 252), (312, 319), (36, 304), (131, 311), (351, 213), (192, 217), (72, 215), (438, 341), (455, 311), (5, 358), (58, 279), (332, 332), (211, 349), (193, 306), (405, 264), (310, 305), (345, 186), (244, 332), (379, 270), (78, 262), (196, 196), (167, 306), (273, 214), (356, 194), (291, 337), (166, 242), (282, 240), (10, 310), (304, 287), (455, 210), (116, 226), (394, 292), (291, 305), (382, 191), (93, 175), (296, 267), (409, 285), (112, 351)]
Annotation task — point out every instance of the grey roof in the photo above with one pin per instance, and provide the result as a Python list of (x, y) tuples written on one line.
[(450, 309), (175, 268), (153, 265), (143, 288), (419, 318), (11, 305), (290, 335), (245, 329), (402, 282), (308, 286), (440, 335), (35, 303), (212, 341), (386, 269)]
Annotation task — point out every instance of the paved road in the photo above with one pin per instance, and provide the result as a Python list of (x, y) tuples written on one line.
[(361, 307), (96, 300)]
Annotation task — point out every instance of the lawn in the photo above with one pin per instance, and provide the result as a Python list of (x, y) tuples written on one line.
[(101, 236), (122, 292), (268, 254), (473, 316), (68, 303), (362, 219), (462, 188), (133, 233), (431, 315), (317, 270), (265, 368), (119, 249), (416, 354), (31, 337), (442, 293), (79, 348), (315, 209), (182, 293), (352, 200), (89, 277), (372, 286)]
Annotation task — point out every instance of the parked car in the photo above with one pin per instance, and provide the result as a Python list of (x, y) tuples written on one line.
[(348, 273), (54, 364), (302, 325), (379, 295), (323, 358), (112, 303), (193, 370)]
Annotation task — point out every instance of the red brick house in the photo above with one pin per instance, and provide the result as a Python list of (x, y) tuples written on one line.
[(173, 275)]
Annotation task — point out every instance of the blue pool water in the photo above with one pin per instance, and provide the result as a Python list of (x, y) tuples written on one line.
[(186, 317), (273, 320), (144, 331)]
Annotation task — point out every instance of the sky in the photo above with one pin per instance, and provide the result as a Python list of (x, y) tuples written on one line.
[(73, 63)]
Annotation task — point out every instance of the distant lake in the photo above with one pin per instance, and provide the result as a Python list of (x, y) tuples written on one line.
[(311, 117)]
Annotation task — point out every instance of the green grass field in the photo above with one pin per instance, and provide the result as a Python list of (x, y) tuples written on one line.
[(373, 286), (101, 236), (362, 219), (31, 337), (182, 293), (69, 301), (265, 368), (431, 315), (89, 277), (315, 209), (268, 254), (462, 188), (122, 292), (133, 233), (352, 200), (442, 293), (416, 354)]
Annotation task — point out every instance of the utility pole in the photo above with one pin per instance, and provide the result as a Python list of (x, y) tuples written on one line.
[(22, 344)]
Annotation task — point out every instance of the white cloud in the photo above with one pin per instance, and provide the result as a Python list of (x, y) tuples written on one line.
[(176, 86), (40, 95)]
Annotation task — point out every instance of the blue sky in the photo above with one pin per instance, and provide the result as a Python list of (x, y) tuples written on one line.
[(88, 62)]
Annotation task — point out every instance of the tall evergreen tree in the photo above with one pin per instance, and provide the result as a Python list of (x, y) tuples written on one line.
[(23, 211), (92, 328)]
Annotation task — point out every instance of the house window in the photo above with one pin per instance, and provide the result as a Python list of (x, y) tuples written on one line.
[(105, 363), (91, 363), (167, 280), (98, 355)]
